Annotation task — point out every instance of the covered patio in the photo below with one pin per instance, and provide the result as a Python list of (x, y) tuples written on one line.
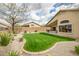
[(53, 26)]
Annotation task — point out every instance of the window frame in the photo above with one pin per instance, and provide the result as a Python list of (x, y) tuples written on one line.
[(62, 28)]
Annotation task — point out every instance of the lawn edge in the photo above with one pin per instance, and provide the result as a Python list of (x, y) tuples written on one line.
[(44, 51)]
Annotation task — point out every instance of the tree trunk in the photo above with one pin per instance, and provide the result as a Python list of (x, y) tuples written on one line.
[(13, 26)]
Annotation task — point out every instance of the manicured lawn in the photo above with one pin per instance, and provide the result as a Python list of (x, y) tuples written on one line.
[(41, 41)]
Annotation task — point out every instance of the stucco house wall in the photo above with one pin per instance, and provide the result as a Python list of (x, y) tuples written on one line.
[(72, 16), (33, 27), (73, 19)]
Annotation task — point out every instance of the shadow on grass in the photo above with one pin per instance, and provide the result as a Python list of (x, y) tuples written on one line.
[(72, 39)]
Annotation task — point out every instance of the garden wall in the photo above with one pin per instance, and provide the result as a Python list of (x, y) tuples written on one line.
[(32, 29)]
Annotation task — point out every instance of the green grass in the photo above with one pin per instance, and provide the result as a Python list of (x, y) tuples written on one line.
[(41, 41)]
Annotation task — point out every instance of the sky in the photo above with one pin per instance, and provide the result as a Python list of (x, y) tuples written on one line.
[(41, 13), (47, 10)]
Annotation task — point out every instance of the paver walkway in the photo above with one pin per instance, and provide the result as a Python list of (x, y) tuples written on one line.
[(59, 49)]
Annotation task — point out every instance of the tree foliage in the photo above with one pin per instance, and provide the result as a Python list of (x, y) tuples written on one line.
[(13, 13)]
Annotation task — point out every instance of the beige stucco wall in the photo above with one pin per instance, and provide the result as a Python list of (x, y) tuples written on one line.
[(32, 29), (73, 17)]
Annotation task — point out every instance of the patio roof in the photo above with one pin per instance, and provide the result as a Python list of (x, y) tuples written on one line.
[(62, 10)]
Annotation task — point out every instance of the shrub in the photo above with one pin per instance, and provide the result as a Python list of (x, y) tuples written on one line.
[(13, 53), (4, 38), (77, 49)]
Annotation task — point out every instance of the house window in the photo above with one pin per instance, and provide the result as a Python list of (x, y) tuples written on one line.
[(65, 28)]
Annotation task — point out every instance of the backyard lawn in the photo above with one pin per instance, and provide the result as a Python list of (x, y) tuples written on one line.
[(36, 42)]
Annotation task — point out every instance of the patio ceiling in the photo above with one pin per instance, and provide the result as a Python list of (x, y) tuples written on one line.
[(54, 23)]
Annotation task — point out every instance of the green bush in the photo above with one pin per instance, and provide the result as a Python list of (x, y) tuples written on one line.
[(77, 49), (4, 39), (12, 53)]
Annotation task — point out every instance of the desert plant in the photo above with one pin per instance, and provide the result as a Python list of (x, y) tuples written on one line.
[(13, 53), (4, 38), (77, 49)]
